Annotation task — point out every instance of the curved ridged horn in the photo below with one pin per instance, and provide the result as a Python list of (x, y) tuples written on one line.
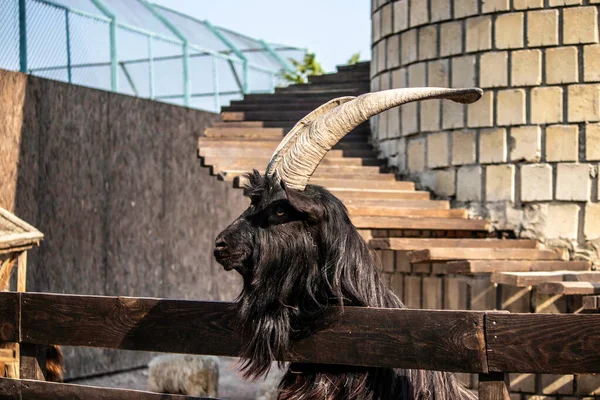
[(305, 146)]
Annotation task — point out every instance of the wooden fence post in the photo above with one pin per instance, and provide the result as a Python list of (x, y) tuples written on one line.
[(494, 386)]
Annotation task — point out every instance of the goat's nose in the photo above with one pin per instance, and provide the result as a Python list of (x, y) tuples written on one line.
[(220, 245)]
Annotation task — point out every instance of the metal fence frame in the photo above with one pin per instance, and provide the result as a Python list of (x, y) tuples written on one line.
[(233, 56)]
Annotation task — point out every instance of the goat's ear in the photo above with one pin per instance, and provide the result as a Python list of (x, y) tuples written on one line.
[(303, 203)]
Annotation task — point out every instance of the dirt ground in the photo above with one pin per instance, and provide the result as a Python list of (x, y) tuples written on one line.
[(231, 385)]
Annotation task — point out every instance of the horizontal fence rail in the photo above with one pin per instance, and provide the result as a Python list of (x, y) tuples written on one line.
[(457, 341)]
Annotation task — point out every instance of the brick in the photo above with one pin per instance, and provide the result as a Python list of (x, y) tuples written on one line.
[(430, 115), (584, 102), (463, 147), (546, 105), (500, 183), (492, 146), (493, 69), (479, 33), (399, 78), (416, 155), (525, 143), (522, 383), (373, 65), (542, 28), (416, 75), (489, 6), (408, 42), (410, 119), (440, 10), (557, 3), (384, 81), (536, 182), (428, 42), (481, 113), (437, 75), (381, 55), (376, 25), (468, 183), (437, 150), (509, 31), (440, 181), (591, 63), (562, 221), (393, 129), (557, 384), (387, 20), (562, 65), (592, 231), (453, 115), (400, 15), (526, 67), (418, 12), (451, 38), (463, 71), (511, 107), (562, 143), (592, 142), (393, 52), (573, 182), (465, 8), (527, 4), (580, 25)]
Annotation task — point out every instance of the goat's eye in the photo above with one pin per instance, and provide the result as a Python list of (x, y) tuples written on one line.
[(280, 212)]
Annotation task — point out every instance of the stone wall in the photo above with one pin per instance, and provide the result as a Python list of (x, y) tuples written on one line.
[(526, 155), (115, 185)]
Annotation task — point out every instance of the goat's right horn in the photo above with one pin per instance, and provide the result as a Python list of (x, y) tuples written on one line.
[(297, 160)]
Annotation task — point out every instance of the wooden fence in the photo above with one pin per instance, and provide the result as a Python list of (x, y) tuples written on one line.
[(491, 344)]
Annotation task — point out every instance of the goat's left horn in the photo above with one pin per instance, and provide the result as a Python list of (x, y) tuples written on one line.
[(303, 149)]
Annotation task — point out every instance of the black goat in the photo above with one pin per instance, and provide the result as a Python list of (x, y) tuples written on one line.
[(299, 253)]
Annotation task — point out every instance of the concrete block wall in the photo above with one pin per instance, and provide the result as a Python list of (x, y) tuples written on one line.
[(526, 155)]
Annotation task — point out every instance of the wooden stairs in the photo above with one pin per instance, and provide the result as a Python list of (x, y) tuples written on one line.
[(410, 231)]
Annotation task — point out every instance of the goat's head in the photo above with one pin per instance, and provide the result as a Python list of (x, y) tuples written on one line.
[(295, 246)]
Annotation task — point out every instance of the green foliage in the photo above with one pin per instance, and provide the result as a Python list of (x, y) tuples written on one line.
[(309, 66), (354, 59)]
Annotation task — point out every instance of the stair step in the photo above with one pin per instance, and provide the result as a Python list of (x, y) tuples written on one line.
[(421, 244), (257, 114), (570, 288), (522, 279), (238, 124), (271, 133), (304, 107), (399, 204), (255, 162), (204, 142), (359, 66), (236, 176), (372, 194), (241, 150), (444, 254), (406, 212), (486, 267), (360, 85), (361, 183), (434, 224)]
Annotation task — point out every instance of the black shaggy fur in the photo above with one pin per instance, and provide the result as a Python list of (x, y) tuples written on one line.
[(298, 253)]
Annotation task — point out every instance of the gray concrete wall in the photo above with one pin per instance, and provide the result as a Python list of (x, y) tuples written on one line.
[(115, 185)]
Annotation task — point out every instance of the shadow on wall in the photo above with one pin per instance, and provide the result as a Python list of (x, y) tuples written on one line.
[(115, 185)]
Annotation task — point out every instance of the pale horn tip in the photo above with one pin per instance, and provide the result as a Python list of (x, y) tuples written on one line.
[(467, 96)]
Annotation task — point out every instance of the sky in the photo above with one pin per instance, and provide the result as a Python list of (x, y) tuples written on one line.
[(332, 29)]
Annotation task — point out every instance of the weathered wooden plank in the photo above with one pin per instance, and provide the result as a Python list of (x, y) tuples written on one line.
[(536, 277), (444, 340), (420, 244), (12, 389), (568, 288), (465, 253), (32, 363), (405, 212), (491, 266), (543, 343), (494, 386), (9, 317), (591, 303)]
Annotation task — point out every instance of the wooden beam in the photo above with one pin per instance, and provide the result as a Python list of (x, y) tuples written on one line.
[(6, 267), (543, 343), (22, 272), (491, 266), (361, 336), (12, 389), (421, 244), (568, 288), (537, 277), (460, 253), (9, 317), (494, 386)]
